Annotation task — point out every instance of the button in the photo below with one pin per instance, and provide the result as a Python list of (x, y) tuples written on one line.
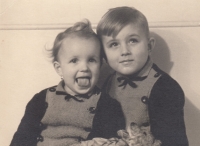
[(157, 75), (87, 129), (92, 110), (40, 124), (144, 99), (40, 138), (52, 89)]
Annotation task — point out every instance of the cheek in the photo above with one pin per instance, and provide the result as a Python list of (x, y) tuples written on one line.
[(112, 56), (142, 58), (95, 69), (141, 53), (69, 73)]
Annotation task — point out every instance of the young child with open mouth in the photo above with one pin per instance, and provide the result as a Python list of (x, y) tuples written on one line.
[(75, 110)]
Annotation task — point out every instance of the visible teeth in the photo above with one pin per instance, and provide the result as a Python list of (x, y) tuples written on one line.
[(83, 82)]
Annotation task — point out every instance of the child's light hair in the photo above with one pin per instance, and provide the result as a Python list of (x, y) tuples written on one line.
[(117, 18), (81, 29)]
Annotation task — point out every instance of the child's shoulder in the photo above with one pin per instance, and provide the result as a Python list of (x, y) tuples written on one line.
[(167, 87), (165, 79), (44, 91), (40, 97)]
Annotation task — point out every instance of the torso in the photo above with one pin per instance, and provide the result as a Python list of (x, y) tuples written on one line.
[(134, 101), (67, 122)]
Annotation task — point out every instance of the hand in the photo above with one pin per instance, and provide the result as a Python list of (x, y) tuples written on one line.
[(138, 136)]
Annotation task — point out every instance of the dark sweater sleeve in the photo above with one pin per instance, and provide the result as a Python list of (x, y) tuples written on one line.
[(166, 112), (108, 119), (29, 127)]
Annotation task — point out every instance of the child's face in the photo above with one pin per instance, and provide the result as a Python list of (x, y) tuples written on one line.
[(128, 52), (79, 64)]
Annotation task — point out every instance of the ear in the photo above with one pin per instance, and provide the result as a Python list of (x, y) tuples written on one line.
[(57, 67), (151, 44)]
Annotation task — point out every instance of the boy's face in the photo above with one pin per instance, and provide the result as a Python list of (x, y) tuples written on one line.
[(79, 64), (128, 52)]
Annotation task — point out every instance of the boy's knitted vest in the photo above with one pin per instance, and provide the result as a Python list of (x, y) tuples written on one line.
[(134, 100)]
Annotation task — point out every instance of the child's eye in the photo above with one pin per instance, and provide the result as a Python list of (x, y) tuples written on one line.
[(112, 45), (74, 60), (92, 60), (133, 40)]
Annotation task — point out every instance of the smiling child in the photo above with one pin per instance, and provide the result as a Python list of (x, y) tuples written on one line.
[(75, 110), (149, 97)]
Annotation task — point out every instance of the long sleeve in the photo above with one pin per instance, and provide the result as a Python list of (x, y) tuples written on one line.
[(29, 127), (166, 112), (109, 118)]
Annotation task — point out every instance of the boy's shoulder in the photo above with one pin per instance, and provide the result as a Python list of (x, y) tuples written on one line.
[(166, 86), (165, 79)]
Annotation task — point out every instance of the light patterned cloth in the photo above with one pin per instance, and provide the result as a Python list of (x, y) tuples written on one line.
[(136, 136), (103, 142)]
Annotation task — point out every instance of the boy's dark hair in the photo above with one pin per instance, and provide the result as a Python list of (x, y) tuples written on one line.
[(116, 18), (81, 29)]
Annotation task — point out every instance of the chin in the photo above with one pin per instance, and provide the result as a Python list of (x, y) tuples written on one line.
[(84, 91), (127, 72)]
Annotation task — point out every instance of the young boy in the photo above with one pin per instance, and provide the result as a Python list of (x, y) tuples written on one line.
[(148, 96), (75, 109)]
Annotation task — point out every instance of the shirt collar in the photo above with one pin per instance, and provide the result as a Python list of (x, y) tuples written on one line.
[(60, 88)]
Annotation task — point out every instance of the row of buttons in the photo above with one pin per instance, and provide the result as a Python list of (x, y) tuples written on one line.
[(145, 99), (42, 126)]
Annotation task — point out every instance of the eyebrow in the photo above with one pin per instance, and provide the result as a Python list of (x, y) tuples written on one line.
[(114, 39), (133, 35)]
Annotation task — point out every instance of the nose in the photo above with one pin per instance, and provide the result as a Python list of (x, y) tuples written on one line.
[(84, 67), (125, 50)]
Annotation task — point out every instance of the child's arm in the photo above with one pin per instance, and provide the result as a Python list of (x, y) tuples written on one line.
[(166, 112), (29, 128), (108, 119)]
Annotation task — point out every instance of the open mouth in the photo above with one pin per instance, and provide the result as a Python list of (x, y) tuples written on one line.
[(83, 81)]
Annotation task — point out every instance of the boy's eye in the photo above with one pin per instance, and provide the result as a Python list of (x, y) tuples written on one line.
[(133, 40), (92, 60), (114, 44), (74, 60)]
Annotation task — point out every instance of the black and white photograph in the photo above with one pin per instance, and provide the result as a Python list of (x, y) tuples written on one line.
[(99, 73)]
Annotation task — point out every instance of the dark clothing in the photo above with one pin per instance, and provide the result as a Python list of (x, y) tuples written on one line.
[(165, 107), (107, 121), (166, 113)]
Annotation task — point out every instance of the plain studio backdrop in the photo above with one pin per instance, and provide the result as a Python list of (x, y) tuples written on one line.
[(27, 26)]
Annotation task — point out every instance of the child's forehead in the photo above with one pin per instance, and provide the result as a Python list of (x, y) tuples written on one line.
[(74, 39), (77, 42), (80, 37)]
